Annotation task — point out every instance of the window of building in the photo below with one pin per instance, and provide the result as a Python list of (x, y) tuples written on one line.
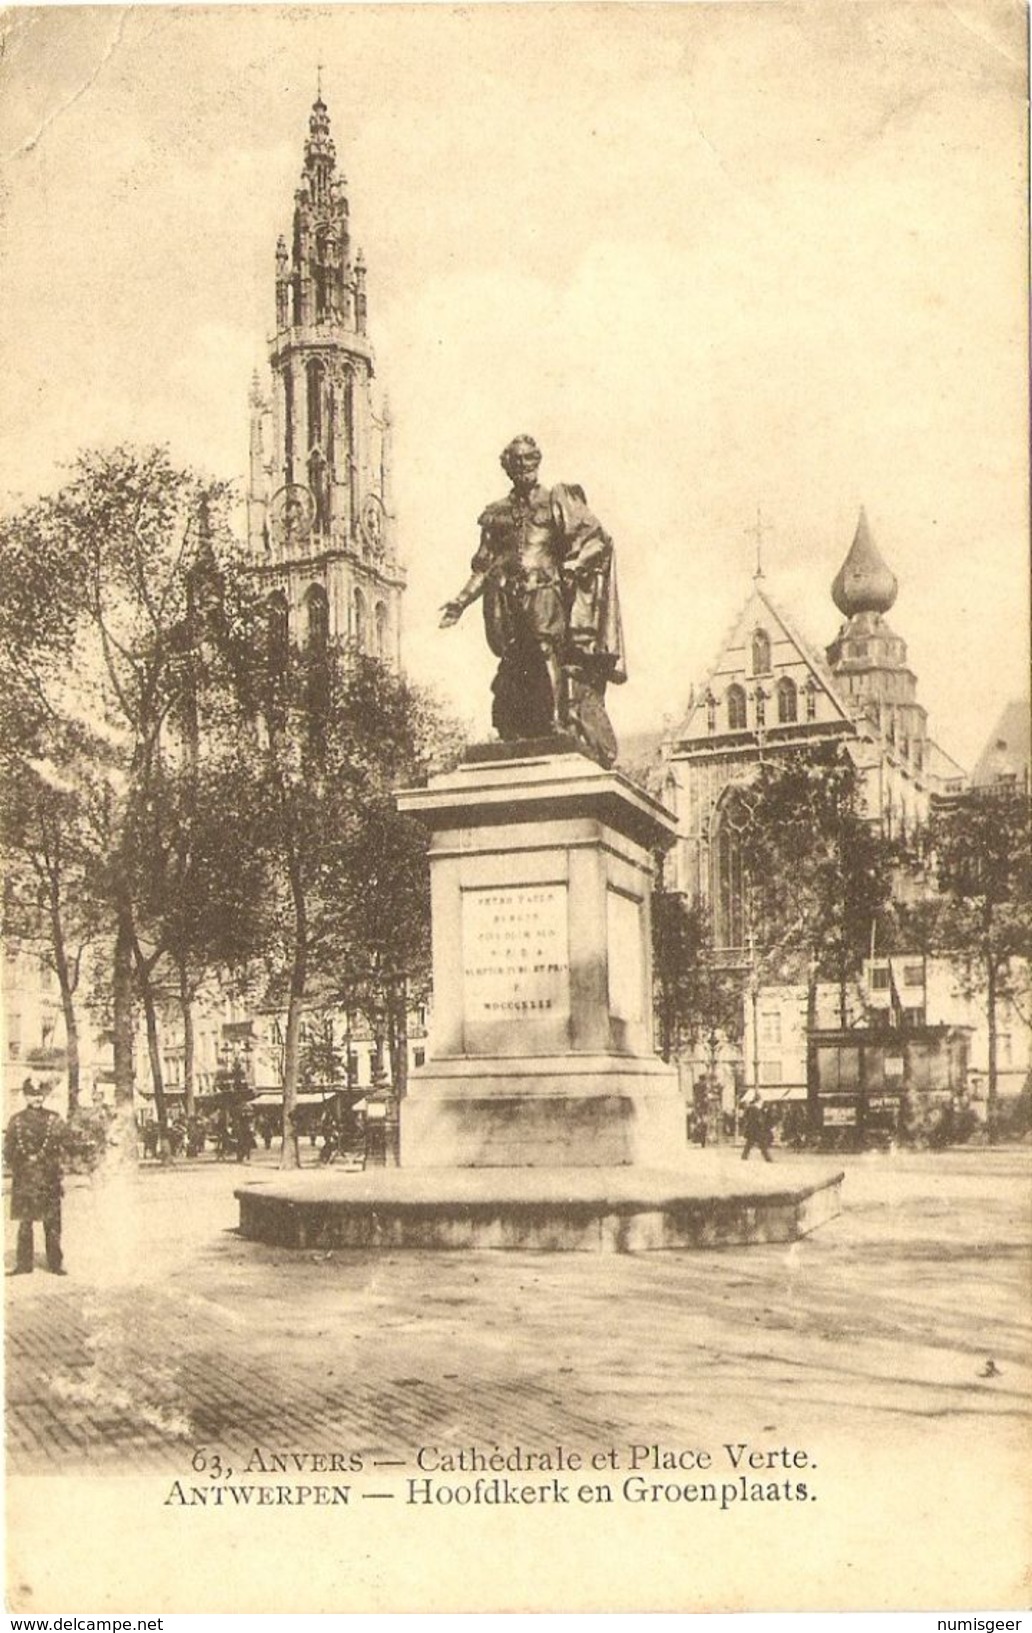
[(348, 457), (317, 607), (419, 1057), (913, 1017), (381, 630), (788, 701), (315, 390), (288, 427), (359, 620), (279, 632), (711, 712), (770, 1029), (760, 652), (913, 975), (736, 720), (880, 978), (728, 880), (761, 706), (811, 700)]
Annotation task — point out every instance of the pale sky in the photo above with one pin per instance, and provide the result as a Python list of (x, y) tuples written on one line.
[(713, 257)]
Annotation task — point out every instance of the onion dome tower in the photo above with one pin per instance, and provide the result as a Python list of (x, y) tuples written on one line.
[(867, 658), (864, 583), (320, 515)]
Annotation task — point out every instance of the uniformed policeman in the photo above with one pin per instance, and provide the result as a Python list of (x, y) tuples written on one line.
[(34, 1149)]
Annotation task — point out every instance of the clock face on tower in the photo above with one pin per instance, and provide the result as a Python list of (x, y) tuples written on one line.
[(291, 514)]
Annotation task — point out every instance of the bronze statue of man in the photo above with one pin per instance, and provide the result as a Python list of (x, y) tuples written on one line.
[(546, 572)]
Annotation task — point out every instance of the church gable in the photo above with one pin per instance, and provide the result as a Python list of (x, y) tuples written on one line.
[(765, 679)]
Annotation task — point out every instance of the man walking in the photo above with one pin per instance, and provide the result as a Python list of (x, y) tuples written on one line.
[(755, 1126), (34, 1147)]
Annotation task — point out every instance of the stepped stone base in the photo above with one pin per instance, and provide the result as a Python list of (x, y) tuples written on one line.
[(620, 1210), (562, 1111)]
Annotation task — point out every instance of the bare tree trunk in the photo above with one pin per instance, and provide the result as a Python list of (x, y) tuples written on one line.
[(47, 866), (291, 1155), (186, 1007), (401, 1040), (122, 1006), (64, 981), (992, 1104), (812, 1096), (154, 1051)]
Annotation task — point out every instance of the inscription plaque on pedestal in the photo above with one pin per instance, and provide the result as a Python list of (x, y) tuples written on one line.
[(515, 955), (542, 1055)]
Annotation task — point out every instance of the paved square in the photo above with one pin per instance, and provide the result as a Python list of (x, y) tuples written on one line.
[(171, 1331)]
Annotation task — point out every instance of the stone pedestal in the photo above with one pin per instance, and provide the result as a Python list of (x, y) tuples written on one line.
[(542, 1054)]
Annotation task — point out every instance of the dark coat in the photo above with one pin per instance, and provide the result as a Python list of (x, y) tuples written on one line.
[(34, 1149), (574, 604), (756, 1125)]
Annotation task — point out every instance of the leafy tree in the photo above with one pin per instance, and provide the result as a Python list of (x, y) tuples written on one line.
[(349, 899), (980, 852), (818, 873), (117, 607), (694, 998), (50, 900), (323, 1062)]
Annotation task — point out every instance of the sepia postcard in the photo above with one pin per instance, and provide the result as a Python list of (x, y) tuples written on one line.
[(516, 1081)]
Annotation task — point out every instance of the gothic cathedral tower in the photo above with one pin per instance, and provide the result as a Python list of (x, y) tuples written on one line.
[(319, 515)]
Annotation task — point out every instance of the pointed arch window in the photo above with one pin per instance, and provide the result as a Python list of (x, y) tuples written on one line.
[(736, 718), (288, 427), (729, 877), (315, 402), (788, 701), (349, 455), (317, 608), (760, 699), (278, 626), (760, 652), (317, 642), (381, 630), (811, 699), (358, 623)]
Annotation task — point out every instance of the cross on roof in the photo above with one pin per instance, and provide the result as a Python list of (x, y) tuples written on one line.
[(757, 533)]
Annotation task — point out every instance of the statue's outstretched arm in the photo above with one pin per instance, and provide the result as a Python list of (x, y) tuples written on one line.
[(453, 610)]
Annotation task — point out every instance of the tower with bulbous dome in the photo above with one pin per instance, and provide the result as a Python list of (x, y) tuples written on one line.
[(321, 524), (869, 661), (770, 695)]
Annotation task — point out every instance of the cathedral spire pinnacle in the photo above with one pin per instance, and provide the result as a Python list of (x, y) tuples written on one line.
[(320, 153), (320, 514), (863, 583)]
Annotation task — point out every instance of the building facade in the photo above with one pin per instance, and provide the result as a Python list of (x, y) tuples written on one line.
[(770, 694), (320, 516)]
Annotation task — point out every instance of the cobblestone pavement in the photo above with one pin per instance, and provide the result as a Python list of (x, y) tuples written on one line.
[(172, 1332)]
